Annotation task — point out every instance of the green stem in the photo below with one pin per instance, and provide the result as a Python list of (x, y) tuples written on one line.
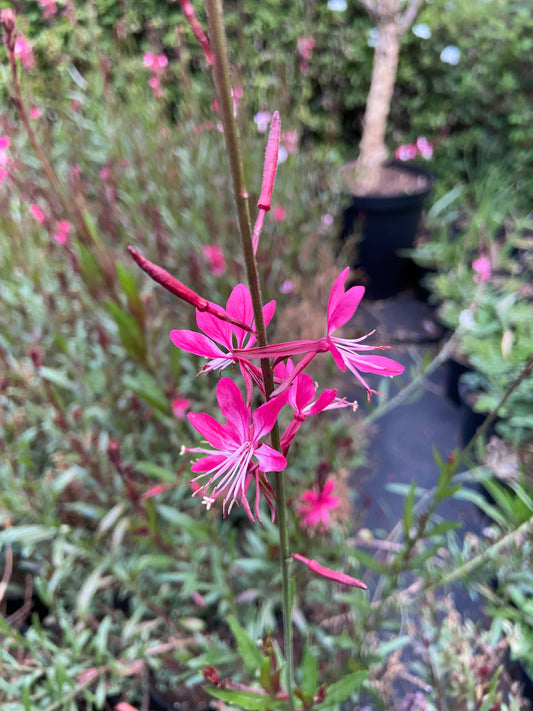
[(221, 74)]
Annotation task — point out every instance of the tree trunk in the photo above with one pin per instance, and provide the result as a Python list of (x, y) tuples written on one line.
[(372, 148)]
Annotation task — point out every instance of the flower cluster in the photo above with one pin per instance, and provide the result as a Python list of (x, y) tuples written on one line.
[(410, 151), (247, 445), (4, 158), (157, 64)]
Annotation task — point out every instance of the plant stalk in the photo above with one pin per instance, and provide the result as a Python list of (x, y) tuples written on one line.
[(221, 74)]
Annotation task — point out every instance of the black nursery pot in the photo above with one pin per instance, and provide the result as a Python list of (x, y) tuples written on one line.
[(388, 225)]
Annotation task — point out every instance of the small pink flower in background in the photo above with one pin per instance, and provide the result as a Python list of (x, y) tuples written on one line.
[(409, 151), (287, 287), (148, 59), (327, 220), (236, 444), (35, 113), (61, 232), (3, 174), (236, 96), (37, 213), (406, 152), (4, 145), (290, 140), (180, 405), (262, 119), (75, 105), (105, 173), (24, 51), (314, 508), (424, 147), (279, 213), (305, 50), (483, 270), (155, 85), (123, 706), (48, 7), (215, 259)]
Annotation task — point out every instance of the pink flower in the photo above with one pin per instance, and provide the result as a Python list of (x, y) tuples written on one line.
[(287, 287), (305, 47), (290, 141), (424, 147), (37, 213), (180, 405), (483, 270), (236, 445), (279, 213), (229, 336), (49, 8), (345, 352), (315, 506), (61, 232), (406, 152), (262, 119), (215, 259), (300, 399), (148, 60), (35, 113), (24, 51), (4, 144), (329, 573)]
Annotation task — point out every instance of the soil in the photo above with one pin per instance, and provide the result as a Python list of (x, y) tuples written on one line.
[(393, 180)]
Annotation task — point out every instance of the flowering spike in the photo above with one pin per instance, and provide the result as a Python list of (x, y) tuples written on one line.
[(183, 292), (329, 573), (190, 16)]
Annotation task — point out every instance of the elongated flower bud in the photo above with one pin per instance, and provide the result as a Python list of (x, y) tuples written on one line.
[(271, 163), (329, 573), (183, 292), (198, 32)]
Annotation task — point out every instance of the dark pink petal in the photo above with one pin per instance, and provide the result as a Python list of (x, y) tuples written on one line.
[(329, 573), (232, 405), (282, 350), (219, 331), (303, 391), (337, 356), (196, 343), (341, 304), (268, 311), (265, 416), (240, 304), (377, 364), (269, 459), (216, 434), (324, 400)]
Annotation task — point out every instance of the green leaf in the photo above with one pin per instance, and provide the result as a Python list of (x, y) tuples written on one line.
[(309, 683), (248, 649), (132, 336), (442, 527), (27, 535), (368, 561), (57, 377), (408, 511), (129, 284), (245, 699), (343, 689), (143, 385)]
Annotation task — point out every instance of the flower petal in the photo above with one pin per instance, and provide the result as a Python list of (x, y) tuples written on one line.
[(265, 416), (219, 331), (197, 343), (341, 304), (377, 364), (218, 436), (269, 459), (232, 405)]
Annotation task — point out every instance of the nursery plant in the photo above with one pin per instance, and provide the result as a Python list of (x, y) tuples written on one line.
[(136, 587)]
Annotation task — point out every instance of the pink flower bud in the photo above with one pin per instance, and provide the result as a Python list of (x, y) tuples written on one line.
[(329, 573), (271, 163)]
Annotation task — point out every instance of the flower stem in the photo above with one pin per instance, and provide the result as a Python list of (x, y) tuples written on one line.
[(221, 74)]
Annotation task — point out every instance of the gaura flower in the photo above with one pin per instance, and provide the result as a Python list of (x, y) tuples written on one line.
[(237, 447), (180, 405), (315, 505), (215, 259), (220, 340), (301, 399), (347, 353)]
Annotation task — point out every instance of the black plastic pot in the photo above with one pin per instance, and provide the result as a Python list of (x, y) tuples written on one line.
[(388, 224)]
